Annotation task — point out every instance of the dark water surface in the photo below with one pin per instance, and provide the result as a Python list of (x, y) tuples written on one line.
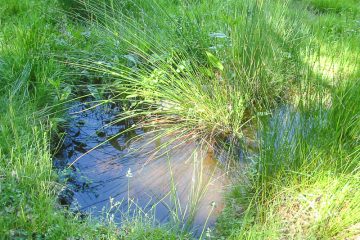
[(193, 174)]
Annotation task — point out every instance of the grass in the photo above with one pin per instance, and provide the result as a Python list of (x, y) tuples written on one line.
[(305, 177), (321, 206), (199, 70), (205, 81), (32, 83)]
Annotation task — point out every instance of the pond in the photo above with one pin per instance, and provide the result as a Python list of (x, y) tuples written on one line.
[(182, 185)]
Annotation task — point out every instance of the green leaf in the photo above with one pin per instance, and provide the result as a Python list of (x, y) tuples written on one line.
[(65, 93), (94, 91), (214, 61)]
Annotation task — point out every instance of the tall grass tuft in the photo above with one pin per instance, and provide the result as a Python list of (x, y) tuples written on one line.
[(198, 76)]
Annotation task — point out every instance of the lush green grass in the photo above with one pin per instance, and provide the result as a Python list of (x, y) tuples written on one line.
[(32, 83), (306, 175), (204, 70), (28, 183), (340, 7), (209, 78), (202, 76), (337, 34)]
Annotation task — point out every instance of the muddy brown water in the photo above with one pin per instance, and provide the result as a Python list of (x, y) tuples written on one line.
[(183, 184)]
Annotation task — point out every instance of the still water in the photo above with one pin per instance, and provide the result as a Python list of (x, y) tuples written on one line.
[(183, 184)]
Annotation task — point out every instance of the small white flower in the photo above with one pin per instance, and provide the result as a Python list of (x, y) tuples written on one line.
[(208, 232), (129, 173)]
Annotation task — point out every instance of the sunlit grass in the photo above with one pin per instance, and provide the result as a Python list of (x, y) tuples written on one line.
[(323, 206), (182, 81), (213, 94), (305, 154), (197, 71)]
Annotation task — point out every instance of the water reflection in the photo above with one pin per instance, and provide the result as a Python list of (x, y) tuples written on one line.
[(182, 183)]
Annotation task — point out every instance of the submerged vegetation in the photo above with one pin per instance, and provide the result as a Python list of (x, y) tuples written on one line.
[(274, 84)]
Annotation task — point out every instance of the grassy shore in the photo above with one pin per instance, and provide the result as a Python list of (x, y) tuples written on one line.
[(288, 72), (32, 85)]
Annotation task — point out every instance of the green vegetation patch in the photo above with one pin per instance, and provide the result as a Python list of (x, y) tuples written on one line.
[(282, 73)]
